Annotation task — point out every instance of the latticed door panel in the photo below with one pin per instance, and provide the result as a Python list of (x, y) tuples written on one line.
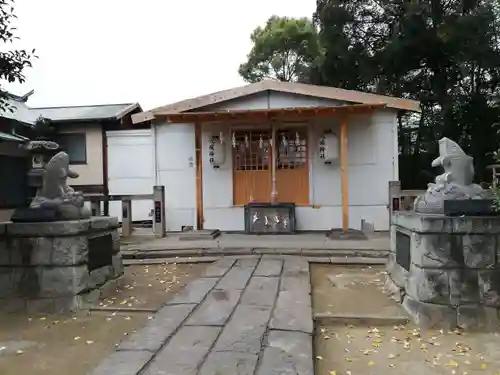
[(292, 166), (252, 167)]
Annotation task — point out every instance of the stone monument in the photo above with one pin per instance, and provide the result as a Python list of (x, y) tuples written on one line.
[(443, 263), (53, 255)]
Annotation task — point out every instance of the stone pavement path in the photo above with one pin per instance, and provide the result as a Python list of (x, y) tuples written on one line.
[(243, 317)]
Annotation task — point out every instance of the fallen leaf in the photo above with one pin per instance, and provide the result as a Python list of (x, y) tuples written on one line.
[(392, 356), (18, 352), (451, 364), (391, 365), (371, 363), (76, 338), (319, 357), (348, 359), (483, 366), (89, 342), (333, 372)]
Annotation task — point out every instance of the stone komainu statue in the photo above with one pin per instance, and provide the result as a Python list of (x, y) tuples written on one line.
[(55, 193), (454, 183)]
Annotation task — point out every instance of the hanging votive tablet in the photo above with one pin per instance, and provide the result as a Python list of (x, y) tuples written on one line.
[(261, 142), (297, 139), (233, 140)]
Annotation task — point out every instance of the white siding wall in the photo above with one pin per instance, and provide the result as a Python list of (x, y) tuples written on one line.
[(372, 163), (175, 165)]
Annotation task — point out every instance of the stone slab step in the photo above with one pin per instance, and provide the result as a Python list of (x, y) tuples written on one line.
[(190, 253), (350, 234), (361, 319), (195, 235)]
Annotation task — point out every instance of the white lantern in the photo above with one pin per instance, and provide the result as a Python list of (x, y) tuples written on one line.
[(216, 151), (329, 147)]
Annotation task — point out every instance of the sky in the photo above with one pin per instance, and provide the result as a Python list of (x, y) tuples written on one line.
[(154, 52)]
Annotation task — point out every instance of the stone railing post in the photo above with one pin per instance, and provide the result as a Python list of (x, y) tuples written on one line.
[(159, 222), (126, 217)]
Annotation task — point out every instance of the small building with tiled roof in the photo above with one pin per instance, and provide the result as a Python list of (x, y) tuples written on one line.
[(80, 130)]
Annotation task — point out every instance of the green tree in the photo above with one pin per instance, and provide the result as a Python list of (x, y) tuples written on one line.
[(444, 53), (285, 50), (12, 62)]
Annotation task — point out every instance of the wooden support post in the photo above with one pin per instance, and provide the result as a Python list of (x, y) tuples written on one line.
[(126, 218), (199, 176), (274, 151), (344, 163), (159, 211)]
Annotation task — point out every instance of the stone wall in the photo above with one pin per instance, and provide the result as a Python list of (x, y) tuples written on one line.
[(453, 275), (57, 266)]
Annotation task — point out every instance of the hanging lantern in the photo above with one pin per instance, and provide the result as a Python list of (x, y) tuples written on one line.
[(261, 142), (297, 139), (328, 147), (233, 140), (216, 152)]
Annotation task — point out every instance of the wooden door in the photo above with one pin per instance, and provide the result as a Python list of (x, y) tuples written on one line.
[(252, 167), (292, 166)]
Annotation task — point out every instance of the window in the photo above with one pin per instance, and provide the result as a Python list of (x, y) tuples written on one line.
[(75, 145), (251, 151), (292, 149)]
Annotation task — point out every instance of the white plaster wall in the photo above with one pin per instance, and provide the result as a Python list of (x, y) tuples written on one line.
[(91, 172)]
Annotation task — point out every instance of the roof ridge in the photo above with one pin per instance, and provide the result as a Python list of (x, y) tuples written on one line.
[(86, 105)]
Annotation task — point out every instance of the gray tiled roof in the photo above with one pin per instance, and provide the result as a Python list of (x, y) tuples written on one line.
[(88, 112), (12, 137), (18, 111)]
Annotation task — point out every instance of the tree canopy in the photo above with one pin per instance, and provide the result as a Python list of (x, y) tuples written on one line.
[(284, 49), (14, 61), (444, 53)]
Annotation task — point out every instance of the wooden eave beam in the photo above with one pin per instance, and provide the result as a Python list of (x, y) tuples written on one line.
[(268, 114)]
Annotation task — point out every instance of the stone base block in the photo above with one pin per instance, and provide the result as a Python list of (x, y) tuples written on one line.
[(470, 317), (448, 268), (57, 266)]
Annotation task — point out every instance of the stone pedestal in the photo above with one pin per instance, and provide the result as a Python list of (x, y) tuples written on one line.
[(445, 269), (56, 267)]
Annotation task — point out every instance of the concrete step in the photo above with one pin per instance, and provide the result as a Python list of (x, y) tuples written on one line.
[(186, 253)]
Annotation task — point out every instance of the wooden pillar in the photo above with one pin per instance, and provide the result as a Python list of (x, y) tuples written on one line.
[(273, 151), (344, 162), (199, 176)]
